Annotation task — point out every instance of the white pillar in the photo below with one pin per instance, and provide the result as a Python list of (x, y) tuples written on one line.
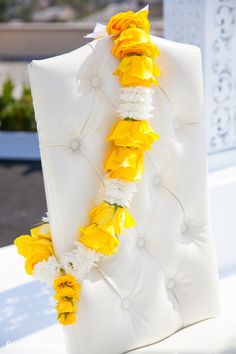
[(211, 25)]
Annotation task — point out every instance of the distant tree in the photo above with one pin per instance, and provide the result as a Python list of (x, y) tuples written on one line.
[(27, 10), (16, 114), (4, 6)]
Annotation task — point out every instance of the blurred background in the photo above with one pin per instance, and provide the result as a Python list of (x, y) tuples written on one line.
[(31, 29)]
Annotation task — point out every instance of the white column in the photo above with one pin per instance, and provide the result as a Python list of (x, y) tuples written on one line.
[(211, 25)]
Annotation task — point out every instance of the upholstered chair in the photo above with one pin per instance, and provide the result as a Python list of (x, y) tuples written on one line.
[(164, 277)]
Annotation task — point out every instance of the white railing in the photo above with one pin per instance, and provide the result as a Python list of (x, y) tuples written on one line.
[(211, 25)]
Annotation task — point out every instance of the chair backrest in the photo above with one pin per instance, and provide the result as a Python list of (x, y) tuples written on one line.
[(164, 276)]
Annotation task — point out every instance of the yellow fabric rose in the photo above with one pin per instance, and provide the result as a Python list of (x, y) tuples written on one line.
[(34, 249), (124, 163), (137, 70), (107, 214), (65, 306), (133, 133), (34, 258), (42, 231), (66, 293), (66, 280), (134, 41), (100, 238), (124, 20), (66, 318)]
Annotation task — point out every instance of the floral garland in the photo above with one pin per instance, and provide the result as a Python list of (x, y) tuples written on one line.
[(129, 138)]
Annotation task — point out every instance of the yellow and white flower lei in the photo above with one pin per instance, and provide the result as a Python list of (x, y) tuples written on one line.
[(128, 140)]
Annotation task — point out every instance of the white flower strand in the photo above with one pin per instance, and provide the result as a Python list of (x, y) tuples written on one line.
[(47, 270), (117, 191), (80, 260), (138, 111), (77, 262), (136, 102), (136, 94)]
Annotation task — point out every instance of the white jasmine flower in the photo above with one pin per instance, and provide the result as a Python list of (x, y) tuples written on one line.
[(79, 261), (45, 218), (116, 191), (47, 271), (136, 110), (137, 94), (135, 102)]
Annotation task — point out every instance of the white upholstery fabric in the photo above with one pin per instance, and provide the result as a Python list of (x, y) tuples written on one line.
[(213, 336), (164, 277)]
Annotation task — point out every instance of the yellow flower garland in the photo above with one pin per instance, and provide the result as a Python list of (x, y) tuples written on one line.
[(129, 138)]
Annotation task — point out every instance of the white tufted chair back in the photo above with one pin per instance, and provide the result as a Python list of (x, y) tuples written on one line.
[(164, 276)]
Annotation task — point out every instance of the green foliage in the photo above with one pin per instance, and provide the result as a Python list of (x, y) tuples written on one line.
[(16, 114), (4, 5)]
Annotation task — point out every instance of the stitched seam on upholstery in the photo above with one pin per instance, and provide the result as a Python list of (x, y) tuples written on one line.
[(172, 107), (96, 59), (46, 145), (154, 168), (185, 249), (115, 291), (50, 196), (86, 122), (173, 111), (157, 262), (92, 105), (118, 294), (154, 258), (85, 156), (148, 154), (192, 121), (152, 343), (146, 227), (98, 72), (95, 168), (173, 293), (148, 219), (165, 94), (81, 131), (176, 198), (177, 271), (105, 94), (161, 268), (108, 282)]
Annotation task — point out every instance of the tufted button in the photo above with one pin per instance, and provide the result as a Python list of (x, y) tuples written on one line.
[(176, 124), (140, 242), (125, 303), (183, 227), (75, 145), (156, 180), (170, 284), (95, 81)]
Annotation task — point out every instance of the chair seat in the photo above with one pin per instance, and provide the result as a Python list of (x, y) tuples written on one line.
[(212, 336)]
